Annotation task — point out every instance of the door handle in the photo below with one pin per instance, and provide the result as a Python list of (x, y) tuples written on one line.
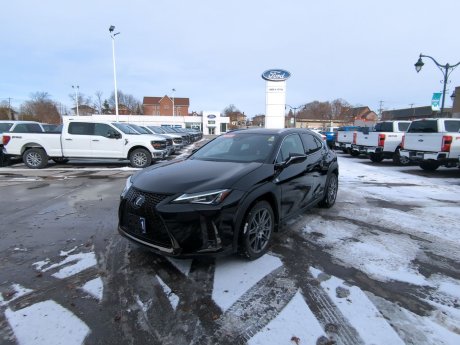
[(95, 139), (69, 139)]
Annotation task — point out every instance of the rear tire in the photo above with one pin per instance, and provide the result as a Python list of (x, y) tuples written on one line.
[(35, 158), (354, 153), (140, 158), (400, 160), (330, 195), (258, 228), (376, 157), (429, 165)]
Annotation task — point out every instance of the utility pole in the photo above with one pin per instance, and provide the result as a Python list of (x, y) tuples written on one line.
[(10, 115), (380, 109)]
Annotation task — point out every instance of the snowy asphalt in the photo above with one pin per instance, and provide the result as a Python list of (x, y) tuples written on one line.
[(380, 267)]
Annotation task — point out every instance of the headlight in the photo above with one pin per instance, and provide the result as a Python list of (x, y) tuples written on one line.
[(128, 185), (208, 198)]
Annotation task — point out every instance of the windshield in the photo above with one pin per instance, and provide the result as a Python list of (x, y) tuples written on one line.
[(125, 128), (139, 129), (156, 130), (238, 147), (5, 127)]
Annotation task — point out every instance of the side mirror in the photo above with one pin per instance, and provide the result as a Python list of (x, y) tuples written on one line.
[(292, 159), (113, 135)]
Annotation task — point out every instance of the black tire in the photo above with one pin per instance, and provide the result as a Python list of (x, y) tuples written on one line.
[(35, 158), (400, 160), (140, 158), (330, 195), (376, 157), (258, 228), (354, 153), (429, 165), (60, 160)]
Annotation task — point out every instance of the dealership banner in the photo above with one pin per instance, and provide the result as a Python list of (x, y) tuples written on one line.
[(435, 101)]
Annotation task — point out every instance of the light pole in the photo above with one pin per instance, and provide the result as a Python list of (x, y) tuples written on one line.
[(445, 69), (112, 34), (295, 109), (173, 90), (76, 88)]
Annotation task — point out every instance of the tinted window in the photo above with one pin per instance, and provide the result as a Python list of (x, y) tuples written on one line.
[(238, 147), (81, 128), (403, 126), (425, 126), (104, 130), (27, 128), (291, 145), (139, 129), (311, 143), (384, 127), (5, 127), (452, 125)]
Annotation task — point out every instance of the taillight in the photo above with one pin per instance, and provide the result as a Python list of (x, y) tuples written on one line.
[(381, 140), (402, 141), (446, 141), (355, 135), (6, 139)]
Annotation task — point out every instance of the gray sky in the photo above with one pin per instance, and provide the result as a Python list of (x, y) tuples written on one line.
[(214, 52)]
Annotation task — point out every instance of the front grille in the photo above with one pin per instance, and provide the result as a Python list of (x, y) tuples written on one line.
[(154, 230), (177, 141), (169, 142)]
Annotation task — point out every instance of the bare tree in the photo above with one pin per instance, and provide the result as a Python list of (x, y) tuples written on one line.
[(40, 108), (99, 102), (129, 102)]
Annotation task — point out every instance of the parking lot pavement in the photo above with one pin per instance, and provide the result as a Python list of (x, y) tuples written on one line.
[(380, 267)]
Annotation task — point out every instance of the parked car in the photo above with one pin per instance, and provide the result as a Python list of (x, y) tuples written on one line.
[(83, 138), (169, 150), (177, 140), (14, 126), (230, 195), (382, 142), (331, 135), (345, 138), (433, 143)]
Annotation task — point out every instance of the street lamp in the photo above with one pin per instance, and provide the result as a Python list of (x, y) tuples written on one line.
[(112, 34), (452, 97), (173, 90), (445, 69), (76, 88), (295, 109)]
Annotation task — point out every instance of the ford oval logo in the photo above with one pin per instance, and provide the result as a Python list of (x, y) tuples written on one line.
[(211, 116), (276, 75)]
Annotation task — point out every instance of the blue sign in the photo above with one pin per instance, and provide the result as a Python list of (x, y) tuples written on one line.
[(211, 116), (276, 75)]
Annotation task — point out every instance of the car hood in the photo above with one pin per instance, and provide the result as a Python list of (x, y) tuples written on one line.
[(191, 176)]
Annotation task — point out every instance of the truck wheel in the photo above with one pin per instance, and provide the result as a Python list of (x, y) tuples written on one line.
[(140, 158), (376, 157), (35, 158), (429, 165), (331, 191), (400, 160), (258, 229)]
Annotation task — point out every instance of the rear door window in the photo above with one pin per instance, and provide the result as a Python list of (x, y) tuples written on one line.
[(384, 127), (81, 128), (403, 126)]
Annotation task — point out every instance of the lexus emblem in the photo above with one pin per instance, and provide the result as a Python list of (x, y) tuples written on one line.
[(139, 201)]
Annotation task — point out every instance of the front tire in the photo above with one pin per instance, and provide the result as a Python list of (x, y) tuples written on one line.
[(35, 158), (140, 158), (331, 192), (429, 165), (258, 228), (354, 153)]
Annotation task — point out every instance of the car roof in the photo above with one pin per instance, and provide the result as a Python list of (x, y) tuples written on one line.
[(271, 130)]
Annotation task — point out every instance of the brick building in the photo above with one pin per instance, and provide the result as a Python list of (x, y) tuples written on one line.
[(163, 106)]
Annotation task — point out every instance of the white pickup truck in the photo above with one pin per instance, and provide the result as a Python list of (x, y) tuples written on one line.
[(82, 138), (433, 143), (384, 141), (344, 138)]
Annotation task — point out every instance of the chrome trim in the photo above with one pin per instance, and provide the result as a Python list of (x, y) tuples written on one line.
[(135, 239)]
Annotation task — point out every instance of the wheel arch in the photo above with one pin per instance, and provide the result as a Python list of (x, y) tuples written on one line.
[(31, 146), (135, 148)]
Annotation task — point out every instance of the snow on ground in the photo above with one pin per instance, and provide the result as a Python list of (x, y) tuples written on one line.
[(173, 298), (95, 288), (46, 323), (232, 278)]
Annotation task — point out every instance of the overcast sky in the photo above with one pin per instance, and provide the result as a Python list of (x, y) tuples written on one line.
[(214, 52)]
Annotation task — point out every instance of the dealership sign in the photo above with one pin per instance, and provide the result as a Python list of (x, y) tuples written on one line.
[(211, 116), (276, 75)]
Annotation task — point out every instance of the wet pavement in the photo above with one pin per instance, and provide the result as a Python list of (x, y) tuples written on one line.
[(62, 258)]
